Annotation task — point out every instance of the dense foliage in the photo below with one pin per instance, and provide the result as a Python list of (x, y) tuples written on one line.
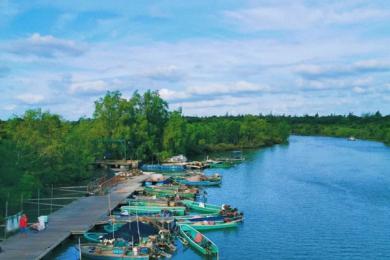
[(40, 149), (369, 126)]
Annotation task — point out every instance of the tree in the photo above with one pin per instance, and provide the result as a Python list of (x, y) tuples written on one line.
[(175, 134)]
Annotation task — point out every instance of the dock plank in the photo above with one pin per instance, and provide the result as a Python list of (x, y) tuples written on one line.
[(78, 216)]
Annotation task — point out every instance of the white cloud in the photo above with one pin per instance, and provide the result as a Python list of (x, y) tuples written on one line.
[(321, 84), (214, 89), (359, 90), (299, 16), (230, 88), (46, 46), (164, 73), (89, 87), (172, 94), (30, 98), (311, 71), (9, 107), (223, 70)]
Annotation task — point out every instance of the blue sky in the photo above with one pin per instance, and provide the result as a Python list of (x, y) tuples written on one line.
[(208, 57)]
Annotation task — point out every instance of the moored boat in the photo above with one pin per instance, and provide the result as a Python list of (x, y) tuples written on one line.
[(201, 207), (162, 168), (199, 183), (211, 225), (200, 180), (112, 227), (156, 202), (188, 194), (110, 252), (153, 209), (95, 237), (198, 241), (222, 165)]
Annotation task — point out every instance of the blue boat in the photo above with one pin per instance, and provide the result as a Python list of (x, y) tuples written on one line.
[(198, 218), (150, 182), (162, 168)]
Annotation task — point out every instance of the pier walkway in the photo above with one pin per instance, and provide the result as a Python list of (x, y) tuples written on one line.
[(77, 217)]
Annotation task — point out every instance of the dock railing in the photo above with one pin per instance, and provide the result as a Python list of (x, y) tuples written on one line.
[(106, 185)]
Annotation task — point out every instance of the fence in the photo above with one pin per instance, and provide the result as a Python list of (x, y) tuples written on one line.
[(49, 200)]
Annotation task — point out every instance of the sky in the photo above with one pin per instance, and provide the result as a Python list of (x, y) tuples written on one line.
[(206, 57)]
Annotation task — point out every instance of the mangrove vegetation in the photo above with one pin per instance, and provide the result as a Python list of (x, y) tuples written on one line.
[(39, 149)]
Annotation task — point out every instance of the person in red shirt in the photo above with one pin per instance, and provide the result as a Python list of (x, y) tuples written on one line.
[(23, 224)]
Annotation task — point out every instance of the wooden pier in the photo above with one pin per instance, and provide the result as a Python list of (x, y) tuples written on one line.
[(75, 218), (117, 163)]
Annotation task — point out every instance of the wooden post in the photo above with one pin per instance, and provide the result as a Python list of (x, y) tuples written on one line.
[(79, 248), (21, 202), (51, 201), (38, 203), (6, 215)]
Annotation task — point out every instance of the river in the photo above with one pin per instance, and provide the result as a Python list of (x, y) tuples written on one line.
[(314, 198)]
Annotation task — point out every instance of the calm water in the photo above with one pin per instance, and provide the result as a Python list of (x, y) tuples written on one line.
[(315, 198)]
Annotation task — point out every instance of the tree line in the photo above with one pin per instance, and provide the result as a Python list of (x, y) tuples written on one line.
[(368, 126), (40, 149)]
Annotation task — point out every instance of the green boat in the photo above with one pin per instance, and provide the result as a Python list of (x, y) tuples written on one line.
[(221, 165), (95, 237), (211, 225), (107, 252), (112, 227), (198, 241), (201, 207), (169, 193), (153, 209), (147, 202), (165, 187)]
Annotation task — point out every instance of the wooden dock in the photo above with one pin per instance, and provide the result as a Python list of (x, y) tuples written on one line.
[(77, 217)]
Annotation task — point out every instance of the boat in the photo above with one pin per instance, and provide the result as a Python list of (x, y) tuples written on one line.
[(111, 252), (211, 225), (157, 179), (166, 187), (221, 165), (201, 207), (351, 138), (112, 227), (156, 202), (188, 194), (199, 217), (153, 209), (95, 237), (198, 183), (198, 241), (200, 180), (162, 168)]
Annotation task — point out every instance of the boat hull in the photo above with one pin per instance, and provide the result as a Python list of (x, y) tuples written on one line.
[(106, 253), (190, 234), (153, 210), (94, 236), (199, 183), (196, 206), (216, 226)]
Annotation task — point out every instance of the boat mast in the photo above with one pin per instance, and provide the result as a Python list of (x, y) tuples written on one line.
[(139, 235), (109, 210)]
